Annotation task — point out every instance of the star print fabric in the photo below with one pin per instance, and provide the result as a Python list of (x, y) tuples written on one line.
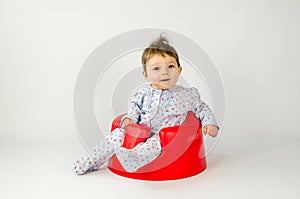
[(158, 108), (100, 154)]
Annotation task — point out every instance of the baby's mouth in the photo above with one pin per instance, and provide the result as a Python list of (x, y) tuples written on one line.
[(164, 80)]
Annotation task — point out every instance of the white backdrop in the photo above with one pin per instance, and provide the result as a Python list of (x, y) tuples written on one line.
[(254, 45)]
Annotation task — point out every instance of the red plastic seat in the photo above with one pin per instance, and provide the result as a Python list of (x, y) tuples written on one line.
[(182, 154)]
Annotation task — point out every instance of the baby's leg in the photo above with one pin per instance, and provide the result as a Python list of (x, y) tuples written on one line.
[(100, 153), (142, 154)]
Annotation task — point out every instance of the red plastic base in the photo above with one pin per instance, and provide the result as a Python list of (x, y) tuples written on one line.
[(182, 156)]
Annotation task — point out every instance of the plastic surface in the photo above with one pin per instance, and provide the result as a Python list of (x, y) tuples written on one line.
[(135, 133), (182, 154)]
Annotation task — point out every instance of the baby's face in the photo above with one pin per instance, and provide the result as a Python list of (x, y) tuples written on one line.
[(162, 71)]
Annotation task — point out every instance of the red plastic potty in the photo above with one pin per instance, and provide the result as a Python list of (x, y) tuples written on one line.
[(182, 154)]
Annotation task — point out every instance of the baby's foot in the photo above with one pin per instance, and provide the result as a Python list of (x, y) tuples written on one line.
[(85, 164)]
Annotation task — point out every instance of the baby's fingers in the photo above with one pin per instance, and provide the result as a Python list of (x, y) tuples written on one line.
[(124, 124), (205, 130), (213, 133)]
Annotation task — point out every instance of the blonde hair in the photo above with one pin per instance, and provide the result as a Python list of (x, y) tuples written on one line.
[(161, 47)]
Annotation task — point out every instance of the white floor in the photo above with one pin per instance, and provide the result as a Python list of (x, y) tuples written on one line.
[(254, 44), (238, 168)]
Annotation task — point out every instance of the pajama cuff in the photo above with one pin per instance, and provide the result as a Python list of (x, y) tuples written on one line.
[(205, 124)]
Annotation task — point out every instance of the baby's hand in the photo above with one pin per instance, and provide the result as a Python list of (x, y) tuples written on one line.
[(210, 130), (126, 122)]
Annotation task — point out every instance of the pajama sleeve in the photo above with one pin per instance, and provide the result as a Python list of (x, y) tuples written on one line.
[(201, 110), (135, 106)]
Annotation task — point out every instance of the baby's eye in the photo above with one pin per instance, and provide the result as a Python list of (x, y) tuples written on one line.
[(171, 66), (156, 68)]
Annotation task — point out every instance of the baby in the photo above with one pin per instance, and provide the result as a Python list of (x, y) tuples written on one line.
[(157, 105)]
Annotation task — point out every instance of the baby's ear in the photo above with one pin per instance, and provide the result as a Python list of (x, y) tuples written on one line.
[(180, 69), (144, 75)]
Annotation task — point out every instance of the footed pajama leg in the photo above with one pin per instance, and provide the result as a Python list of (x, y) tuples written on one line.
[(140, 155), (100, 153)]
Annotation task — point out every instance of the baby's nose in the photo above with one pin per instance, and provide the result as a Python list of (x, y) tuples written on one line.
[(165, 71)]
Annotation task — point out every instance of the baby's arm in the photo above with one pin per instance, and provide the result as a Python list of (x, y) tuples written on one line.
[(134, 110), (204, 113)]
